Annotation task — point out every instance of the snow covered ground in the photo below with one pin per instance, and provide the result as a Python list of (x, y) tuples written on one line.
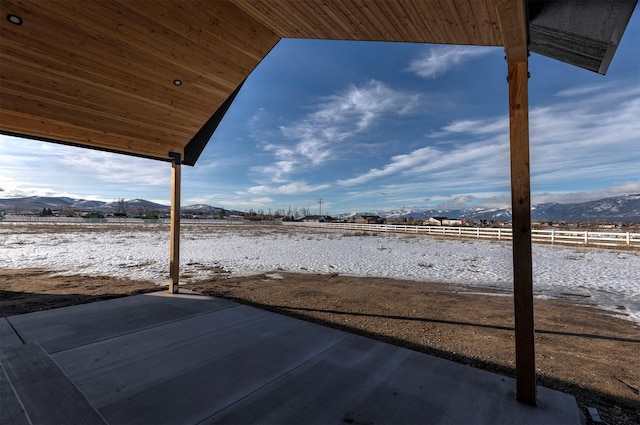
[(608, 278)]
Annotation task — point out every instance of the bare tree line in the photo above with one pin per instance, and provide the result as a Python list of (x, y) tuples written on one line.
[(280, 213)]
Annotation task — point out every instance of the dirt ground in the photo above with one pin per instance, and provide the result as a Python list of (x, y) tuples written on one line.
[(579, 349)]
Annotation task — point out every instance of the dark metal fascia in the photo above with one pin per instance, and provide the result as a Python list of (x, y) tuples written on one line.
[(197, 144)]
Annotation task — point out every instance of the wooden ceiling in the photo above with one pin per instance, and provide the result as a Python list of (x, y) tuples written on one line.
[(101, 74)]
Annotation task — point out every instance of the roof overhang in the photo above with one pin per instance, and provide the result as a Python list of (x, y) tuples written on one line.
[(150, 78)]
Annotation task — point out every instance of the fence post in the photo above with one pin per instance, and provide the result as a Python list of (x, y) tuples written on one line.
[(553, 236), (628, 238), (499, 234), (586, 238)]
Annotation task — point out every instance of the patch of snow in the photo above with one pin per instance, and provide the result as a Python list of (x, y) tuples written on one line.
[(608, 278)]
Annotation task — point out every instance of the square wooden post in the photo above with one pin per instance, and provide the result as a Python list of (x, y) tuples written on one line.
[(174, 254), (521, 224), (514, 31)]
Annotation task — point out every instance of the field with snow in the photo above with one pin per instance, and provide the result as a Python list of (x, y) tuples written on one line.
[(607, 278)]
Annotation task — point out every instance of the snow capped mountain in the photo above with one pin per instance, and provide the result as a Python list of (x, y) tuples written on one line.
[(467, 213), (620, 208), (204, 209), (39, 202), (129, 206), (133, 205)]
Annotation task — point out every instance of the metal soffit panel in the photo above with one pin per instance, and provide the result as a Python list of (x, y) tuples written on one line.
[(584, 33)]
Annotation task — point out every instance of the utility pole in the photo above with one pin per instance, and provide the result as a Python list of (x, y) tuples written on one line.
[(320, 203)]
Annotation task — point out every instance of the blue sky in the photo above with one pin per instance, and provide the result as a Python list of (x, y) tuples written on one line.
[(368, 126)]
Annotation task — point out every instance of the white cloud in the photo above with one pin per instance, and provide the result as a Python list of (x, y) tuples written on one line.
[(573, 144), (336, 119), (14, 190), (485, 162), (438, 60), (583, 90), (250, 203), (276, 172), (587, 195), (475, 127), (458, 201), (114, 168), (292, 188), (265, 200), (589, 142), (240, 201), (398, 163), (34, 168), (361, 105)]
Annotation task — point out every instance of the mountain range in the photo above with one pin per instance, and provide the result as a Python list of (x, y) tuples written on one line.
[(620, 208), (132, 206)]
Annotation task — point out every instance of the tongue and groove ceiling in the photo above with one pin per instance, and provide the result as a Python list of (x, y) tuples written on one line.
[(149, 78)]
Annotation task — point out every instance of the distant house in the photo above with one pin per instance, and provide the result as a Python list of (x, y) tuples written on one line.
[(444, 221), (369, 219), (435, 221)]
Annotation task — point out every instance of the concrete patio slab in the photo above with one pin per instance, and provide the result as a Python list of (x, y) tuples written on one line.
[(192, 359)]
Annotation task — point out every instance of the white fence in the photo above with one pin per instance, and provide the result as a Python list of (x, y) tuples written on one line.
[(566, 237)]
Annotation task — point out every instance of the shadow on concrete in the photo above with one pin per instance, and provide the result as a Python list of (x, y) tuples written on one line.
[(13, 303), (586, 397), (451, 322)]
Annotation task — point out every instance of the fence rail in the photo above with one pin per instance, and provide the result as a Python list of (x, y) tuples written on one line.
[(565, 237)]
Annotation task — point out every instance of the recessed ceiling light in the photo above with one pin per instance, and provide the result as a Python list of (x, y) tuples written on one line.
[(14, 19), (177, 82)]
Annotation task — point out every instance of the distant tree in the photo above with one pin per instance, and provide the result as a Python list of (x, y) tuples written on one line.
[(144, 209), (121, 207), (67, 212), (94, 215)]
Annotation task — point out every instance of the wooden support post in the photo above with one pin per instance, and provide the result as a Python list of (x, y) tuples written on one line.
[(521, 222), (174, 263), (513, 28)]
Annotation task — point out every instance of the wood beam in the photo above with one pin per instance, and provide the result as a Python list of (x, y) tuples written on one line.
[(174, 254), (521, 224), (513, 27)]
